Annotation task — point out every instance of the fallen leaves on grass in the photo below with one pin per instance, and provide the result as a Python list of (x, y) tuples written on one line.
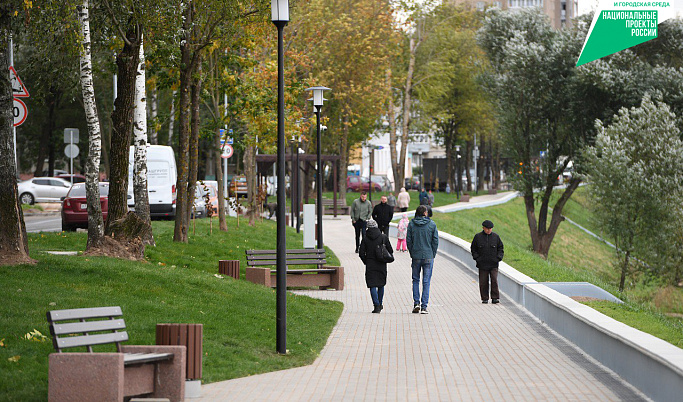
[(14, 359), (35, 336)]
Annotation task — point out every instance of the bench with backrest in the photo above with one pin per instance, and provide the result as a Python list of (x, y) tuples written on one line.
[(342, 208), (155, 371), (322, 276)]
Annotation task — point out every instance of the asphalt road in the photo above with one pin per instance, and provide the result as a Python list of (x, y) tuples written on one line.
[(43, 223)]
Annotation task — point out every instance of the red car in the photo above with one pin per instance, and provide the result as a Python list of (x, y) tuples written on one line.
[(75, 208), (360, 183)]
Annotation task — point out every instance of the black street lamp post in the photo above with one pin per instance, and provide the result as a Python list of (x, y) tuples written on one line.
[(280, 17), (317, 107)]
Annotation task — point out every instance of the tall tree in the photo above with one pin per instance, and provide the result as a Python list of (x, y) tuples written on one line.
[(357, 30), (638, 155), (13, 240), (92, 167), (140, 147)]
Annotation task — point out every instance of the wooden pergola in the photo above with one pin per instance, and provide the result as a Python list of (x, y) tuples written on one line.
[(264, 163)]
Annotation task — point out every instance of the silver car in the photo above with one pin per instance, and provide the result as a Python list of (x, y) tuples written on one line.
[(43, 189)]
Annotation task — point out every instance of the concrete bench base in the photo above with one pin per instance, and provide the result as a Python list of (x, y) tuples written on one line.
[(103, 376), (322, 280)]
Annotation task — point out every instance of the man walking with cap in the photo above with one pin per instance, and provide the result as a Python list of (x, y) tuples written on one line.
[(487, 251)]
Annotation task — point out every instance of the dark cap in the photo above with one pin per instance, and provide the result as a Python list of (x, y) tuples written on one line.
[(487, 224)]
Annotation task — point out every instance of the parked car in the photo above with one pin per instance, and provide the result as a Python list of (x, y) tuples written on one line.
[(238, 186), (360, 183), (383, 181), (43, 189), (78, 178), (412, 183), (200, 207), (75, 208)]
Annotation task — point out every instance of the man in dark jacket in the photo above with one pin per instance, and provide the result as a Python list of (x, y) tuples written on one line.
[(423, 197), (422, 239), (487, 251), (375, 270), (382, 214)]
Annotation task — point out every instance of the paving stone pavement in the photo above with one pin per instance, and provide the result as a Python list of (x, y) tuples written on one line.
[(462, 351)]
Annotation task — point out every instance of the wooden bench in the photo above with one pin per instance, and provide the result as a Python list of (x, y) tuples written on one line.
[(322, 277), (342, 208), (155, 371)]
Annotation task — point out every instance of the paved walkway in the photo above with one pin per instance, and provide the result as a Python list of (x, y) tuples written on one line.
[(462, 351)]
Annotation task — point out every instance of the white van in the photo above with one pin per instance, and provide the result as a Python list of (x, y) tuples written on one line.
[(161, 180)]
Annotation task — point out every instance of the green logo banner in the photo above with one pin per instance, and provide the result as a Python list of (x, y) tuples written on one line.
[(620, 24), (617, 30)]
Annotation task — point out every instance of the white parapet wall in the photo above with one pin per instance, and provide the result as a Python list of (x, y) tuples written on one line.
[(648, 363)]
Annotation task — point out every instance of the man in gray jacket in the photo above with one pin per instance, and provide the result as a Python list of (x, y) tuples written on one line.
[(361, 211), (423, 241)]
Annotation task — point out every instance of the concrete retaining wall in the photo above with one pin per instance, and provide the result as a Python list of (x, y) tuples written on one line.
[(648, 363)]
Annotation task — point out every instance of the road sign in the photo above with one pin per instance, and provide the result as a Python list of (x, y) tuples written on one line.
[(227, 151), (71, 150), (18, 88), (70, 135), (20, 112), (224, 139)]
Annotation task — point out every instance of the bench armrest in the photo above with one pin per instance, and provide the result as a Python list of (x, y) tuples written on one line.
[(171, 373)]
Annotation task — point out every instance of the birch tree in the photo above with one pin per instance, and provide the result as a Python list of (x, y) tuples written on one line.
[(13, 240), (636, 175), (92, 167), (140, 148)]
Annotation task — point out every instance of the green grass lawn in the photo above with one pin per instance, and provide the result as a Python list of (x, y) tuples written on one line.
[(177, 283), (574, 256)]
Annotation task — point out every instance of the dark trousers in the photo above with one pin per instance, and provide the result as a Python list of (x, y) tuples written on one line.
[(404, 209), (384, 229), (360, 227), (484, 275)]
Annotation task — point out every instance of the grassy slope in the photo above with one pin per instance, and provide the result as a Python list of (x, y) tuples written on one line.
[(574, 256), (177, 284)]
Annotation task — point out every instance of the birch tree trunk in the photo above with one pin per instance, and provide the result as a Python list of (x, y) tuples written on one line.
[(92, 166), (140, 148), (13, 241), (171, 120), (344, 154)]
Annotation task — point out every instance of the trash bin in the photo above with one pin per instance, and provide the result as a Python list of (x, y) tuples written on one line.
[(190, 336), (230, 268)]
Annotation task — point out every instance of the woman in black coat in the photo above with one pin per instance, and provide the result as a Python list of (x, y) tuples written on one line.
[(375, 270)]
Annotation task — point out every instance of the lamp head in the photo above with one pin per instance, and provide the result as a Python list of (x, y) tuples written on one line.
[(318, 95), (279, 10)]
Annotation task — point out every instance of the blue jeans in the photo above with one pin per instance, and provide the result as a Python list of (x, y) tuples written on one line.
[(425, 266), (377, 295)]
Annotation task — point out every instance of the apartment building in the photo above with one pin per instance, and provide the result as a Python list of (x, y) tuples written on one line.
[(560, 12)]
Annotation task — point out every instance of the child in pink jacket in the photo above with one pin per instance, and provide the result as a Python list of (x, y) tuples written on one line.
[(402, 232)]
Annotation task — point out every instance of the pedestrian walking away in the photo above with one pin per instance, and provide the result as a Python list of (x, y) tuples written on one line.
[(487, 251), (403, 199), (375, 267), (402, 233), (422, 239), (430, 198), (391, 200), (361, 211), (383, 214)]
